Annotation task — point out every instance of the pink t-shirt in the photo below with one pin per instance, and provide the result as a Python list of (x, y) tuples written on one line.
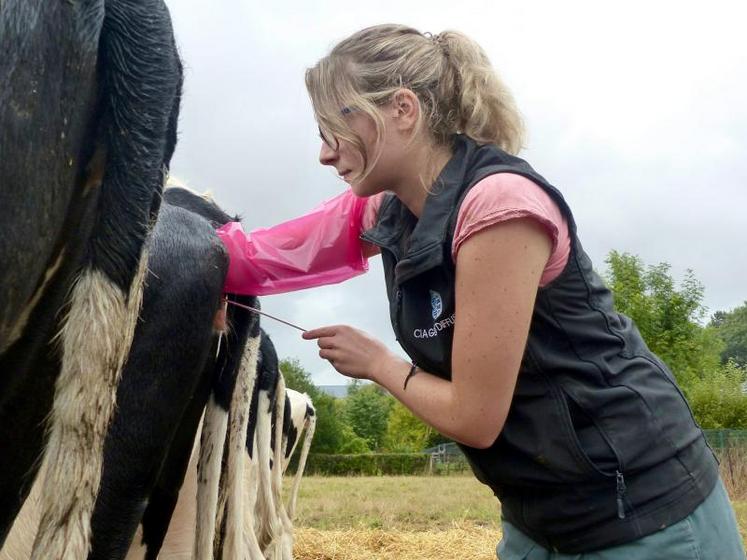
[(498, 198)]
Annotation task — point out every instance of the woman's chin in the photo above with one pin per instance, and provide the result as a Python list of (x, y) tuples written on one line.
[(362, 190)]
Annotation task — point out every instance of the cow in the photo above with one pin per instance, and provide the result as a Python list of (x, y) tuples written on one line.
[(224, 518), (188, 351), (299, 418), (88, 116), (275, 406), (178, 541)]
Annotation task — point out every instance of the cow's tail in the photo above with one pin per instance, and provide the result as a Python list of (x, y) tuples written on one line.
[(286, 536), (95, 339), (308, 437), (212, 440), (271, 527), (238, 543), (251, 492)]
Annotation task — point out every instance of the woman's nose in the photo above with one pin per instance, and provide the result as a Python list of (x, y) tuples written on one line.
[(327, 156)]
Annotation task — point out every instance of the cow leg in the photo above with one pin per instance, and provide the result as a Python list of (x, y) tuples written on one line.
[(237, 544), (146, 445), (163, 498), (28, 371), (208, 536), (23, 421)]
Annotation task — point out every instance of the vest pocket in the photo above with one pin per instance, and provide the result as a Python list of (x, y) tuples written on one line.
[(592, 440), (592, 448)]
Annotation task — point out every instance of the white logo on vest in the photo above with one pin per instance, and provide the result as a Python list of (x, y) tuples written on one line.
[(436, 329), (437, 305)]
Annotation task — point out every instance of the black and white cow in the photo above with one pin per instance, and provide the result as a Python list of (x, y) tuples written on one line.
[(89, 98), (178, 542), (299, 420), (187, 351)]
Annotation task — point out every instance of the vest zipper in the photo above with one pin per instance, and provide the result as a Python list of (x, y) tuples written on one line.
[(620, 495), (397, 308), (620, 479)]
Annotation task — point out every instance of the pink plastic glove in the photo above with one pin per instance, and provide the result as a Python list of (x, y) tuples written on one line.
[(321, 247)]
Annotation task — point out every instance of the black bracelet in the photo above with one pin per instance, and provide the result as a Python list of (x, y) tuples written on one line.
[(413, 369)]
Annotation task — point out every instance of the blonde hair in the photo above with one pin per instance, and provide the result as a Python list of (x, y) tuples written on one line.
[(457, 87)]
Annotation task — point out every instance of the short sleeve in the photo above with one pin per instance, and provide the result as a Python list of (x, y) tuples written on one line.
[(370, 215), (505, 196)]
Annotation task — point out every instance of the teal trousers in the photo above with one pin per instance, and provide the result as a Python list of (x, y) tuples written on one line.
[(708, 533)]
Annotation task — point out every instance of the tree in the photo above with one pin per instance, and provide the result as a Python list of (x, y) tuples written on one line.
[(367, 410), (331, 432), (718, 402), (297, 378), (731, 327), (406, 433), (668, 318)]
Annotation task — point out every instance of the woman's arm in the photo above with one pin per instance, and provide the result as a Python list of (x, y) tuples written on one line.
[(498, 272)]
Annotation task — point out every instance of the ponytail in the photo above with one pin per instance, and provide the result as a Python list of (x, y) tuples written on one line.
[(483, 105)]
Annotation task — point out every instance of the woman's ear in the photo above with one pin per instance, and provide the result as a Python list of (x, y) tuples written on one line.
[(405, 108)]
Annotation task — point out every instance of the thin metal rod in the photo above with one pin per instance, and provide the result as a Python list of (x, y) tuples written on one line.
[(265, 314)]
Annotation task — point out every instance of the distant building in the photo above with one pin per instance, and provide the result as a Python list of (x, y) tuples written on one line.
[(339, 391)]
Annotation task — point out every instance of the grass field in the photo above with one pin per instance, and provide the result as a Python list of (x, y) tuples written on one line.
[(403, 518)]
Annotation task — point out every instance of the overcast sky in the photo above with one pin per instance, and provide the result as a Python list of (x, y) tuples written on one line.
[(635, 110)]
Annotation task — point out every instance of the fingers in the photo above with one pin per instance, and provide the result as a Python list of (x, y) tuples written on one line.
[(329, 355), (321, 331), (326, 342)]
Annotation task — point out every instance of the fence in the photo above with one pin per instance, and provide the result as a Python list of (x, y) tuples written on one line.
[(720, 440), (446, 458)]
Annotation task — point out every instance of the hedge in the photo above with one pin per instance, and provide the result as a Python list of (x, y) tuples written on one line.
[(368, 464)]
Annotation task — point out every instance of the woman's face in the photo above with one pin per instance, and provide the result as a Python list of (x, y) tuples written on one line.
[(348, 162)]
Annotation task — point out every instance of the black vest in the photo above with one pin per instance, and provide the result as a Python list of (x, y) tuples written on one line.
[(599, 447)]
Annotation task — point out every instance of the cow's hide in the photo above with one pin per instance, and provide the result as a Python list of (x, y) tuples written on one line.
[(88, 111)]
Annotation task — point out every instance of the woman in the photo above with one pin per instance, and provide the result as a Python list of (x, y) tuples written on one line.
[(517, 352)]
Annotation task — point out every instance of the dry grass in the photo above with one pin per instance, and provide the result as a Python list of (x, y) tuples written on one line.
[(398, 503), (734, 472), (396, 518), (415, 518), (466, 541)]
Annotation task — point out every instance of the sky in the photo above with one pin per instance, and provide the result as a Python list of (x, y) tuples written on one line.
[(635, 110)]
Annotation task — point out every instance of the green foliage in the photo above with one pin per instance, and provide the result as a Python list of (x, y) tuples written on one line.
[(369, 464), (731, 327), (405, 433), (367, 410), (668, 318), (330, 435), (718, 401), (297, 378), (352, 443), (330, 431)]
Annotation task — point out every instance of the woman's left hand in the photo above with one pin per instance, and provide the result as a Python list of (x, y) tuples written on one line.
[(351, 351)]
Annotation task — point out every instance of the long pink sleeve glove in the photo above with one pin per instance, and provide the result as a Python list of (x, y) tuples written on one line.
[(321, 247)]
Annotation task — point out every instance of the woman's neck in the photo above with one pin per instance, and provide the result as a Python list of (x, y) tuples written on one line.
[(425, 166)]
